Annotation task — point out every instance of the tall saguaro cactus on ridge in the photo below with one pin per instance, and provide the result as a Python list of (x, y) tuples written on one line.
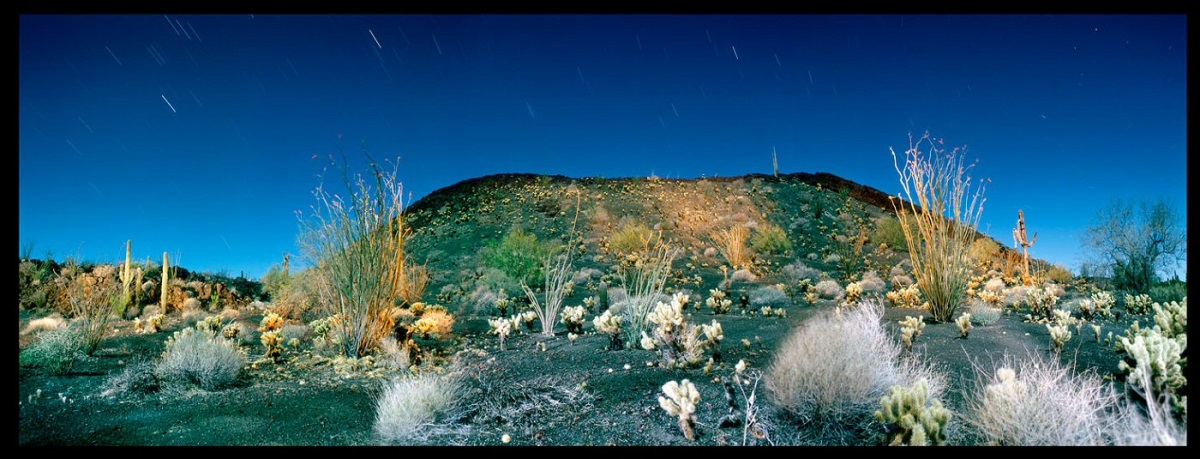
[(1020, 238)]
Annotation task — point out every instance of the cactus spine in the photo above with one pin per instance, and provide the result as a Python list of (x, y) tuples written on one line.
[(1020, 238)]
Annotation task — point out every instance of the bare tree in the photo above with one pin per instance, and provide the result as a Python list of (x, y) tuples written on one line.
[(1133, 247)]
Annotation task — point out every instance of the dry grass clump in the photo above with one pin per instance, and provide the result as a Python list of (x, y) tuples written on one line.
[(1040, 402), (411, 408), (731, 242), (833, 369), (200, 358)]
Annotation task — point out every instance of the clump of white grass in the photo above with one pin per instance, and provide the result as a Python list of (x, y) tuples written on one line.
[(410, 409)]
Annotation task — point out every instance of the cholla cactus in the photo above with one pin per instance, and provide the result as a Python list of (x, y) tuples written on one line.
[(502, 327), (682, 298), (1096, 329), (907, 297), (854, 293), (1103, 302), (915, 422), (609, 324), (964, 324), (1060, 334), (910, 328), (992, 298), (503, 303), (680, 401), (271, 321), (1159, 360), (718, 302), (1087, 308), (152, 324), (1171, 318), (1041, 302), (273, 342), (1137, 304), (677, 341), (572, 317), (590, 302), (811, 297), (527, 318)]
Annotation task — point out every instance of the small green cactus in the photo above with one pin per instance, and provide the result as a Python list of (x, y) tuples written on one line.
[(916, 423)]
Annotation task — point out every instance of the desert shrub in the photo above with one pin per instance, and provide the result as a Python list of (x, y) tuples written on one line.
[(274, 281), (995, 285), (435, 322), (519, 255), (743, 275), (888, 231), (982, 313), (411, 408), (196, 357), (1059, 274), (137, 377), (871, 284), (1166, 292), (1038, 402), (984, 251), (769, 297), (631, 237), (941, 230), (297, 298), (770, 239), (830, 289), (731, 242), (834, 368), (56, 350), (797, 271)]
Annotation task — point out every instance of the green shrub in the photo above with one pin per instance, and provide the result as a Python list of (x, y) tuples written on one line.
[(1170, 291), (274, 281), (1059, 274), (195, 357), (770, 239), (519, 255), (56, 350), (631, 237), (888, 231)]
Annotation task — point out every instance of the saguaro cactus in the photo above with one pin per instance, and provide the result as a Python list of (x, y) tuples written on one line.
[(1020, 238), (165, 281)]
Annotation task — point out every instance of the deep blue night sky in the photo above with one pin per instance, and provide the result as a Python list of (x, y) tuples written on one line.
[(201, 135)]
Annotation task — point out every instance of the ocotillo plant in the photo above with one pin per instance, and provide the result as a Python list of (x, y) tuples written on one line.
[(1020, 239)]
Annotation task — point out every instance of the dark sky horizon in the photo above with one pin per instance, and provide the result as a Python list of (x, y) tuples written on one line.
[(202, 134)]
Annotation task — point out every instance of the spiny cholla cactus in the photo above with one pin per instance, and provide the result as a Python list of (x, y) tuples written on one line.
[(590, 302), (271, 321), (907, 297), (1171, 318), (609, 324), (572, 317), (152, 324), (811, 297), (915, 422), (992, 298), (910, 328), (1103, 302), (718, 302), (683, 299), (854, 293), (1137, 304), (527, 318), (273, 342), (964, 324), (1159, 360), (503, 302), (1060, 334), (1041, 301), (677, 341), (503, 328), (680, 401)]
